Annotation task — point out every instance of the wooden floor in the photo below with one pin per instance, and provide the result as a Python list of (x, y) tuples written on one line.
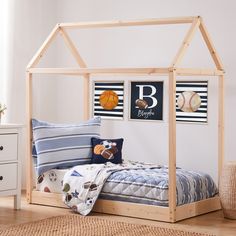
[(210, 223)]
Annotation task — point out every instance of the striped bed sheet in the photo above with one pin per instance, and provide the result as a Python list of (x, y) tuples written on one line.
[(145, 186)]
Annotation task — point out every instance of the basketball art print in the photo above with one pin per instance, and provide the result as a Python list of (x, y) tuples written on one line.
[(191, 101), (108, 100), (146, 100)]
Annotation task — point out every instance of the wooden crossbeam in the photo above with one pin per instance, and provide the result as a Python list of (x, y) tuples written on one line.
[(104, 24), (109, 71), (127, 71), (72, 48), (81, 63), (35, 60), (187, 40), (198, 72), (210, 45)]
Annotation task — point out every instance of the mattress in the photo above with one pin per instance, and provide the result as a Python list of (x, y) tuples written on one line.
[(146, 186)]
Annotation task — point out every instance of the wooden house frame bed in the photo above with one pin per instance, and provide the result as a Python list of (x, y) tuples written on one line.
[(172, 213)]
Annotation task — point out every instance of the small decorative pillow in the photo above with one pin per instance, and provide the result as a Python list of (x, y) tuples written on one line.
[(63, 145), (105, 150)]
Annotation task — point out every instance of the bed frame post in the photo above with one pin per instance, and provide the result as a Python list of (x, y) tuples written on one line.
[(29, 164), (172, 145), (221, 126)]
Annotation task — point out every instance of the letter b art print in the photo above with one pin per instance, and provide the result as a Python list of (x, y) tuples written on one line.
[(146, 100)]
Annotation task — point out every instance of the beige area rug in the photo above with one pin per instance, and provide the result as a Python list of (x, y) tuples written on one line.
[(75, 225)]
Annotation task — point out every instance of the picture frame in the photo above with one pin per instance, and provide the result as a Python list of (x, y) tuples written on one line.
[(108, 99), (146, 100), (193, 108)]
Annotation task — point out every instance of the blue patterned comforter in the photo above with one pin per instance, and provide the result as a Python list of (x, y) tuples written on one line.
[(132, 182), (150, 186)]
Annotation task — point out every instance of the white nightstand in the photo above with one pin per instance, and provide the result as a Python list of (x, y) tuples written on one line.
[(10, 161)]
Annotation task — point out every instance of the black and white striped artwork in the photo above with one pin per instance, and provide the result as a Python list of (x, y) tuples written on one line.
[(108, 101), (199, 88)]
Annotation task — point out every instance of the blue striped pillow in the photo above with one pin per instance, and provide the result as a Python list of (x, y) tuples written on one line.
[(63, 145)]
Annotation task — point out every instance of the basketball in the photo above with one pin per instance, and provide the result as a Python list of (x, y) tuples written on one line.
[(141, 104), (98, 149), (189, 101), (108, 99)]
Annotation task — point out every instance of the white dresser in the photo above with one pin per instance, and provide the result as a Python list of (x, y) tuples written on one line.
[(10, 161)]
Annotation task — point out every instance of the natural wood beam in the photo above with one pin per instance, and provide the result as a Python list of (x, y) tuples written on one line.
[(163, 21), (210, 46), (29, 164), (198, 72), (172, 146), (81, 63), (72, 48), (221, 149), (82, 71), (35, 60), (187, 40)]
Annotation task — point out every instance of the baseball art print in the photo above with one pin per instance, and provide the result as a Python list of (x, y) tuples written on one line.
[(146, 100), (191, 101), (108, 100)]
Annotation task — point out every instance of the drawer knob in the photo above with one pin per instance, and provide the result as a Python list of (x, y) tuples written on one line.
[(1, 178), (1, 148)]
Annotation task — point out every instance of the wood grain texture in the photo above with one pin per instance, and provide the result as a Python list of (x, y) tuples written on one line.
[(172, 146), (163, 21)]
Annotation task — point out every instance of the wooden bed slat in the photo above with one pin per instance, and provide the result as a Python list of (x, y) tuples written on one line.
[(137, 210)]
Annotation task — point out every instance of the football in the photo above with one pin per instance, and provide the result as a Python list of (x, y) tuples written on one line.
[(107, 154), (141, 104)]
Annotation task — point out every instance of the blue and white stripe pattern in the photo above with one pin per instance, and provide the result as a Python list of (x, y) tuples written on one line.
[(146, 186), (117, 112), (150, 186), (63, 145), (199, 87)]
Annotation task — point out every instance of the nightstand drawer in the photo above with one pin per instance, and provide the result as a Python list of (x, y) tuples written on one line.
[(8, 176), (8, 147)]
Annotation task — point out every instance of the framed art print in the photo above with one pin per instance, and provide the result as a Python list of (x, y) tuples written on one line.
[(191, 101), (146, 100), (108, 100)]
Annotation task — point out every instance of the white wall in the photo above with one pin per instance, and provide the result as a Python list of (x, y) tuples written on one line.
[(128, 47), (28, 24)]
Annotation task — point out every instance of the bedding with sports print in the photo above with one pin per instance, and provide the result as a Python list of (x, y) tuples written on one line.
[(83, 184), (132, 182)]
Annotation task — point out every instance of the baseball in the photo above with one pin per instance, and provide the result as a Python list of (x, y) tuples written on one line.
[(189, 101)]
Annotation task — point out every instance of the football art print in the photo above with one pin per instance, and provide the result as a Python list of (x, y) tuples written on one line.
[(191, 101), (146, 100), (108, 100)]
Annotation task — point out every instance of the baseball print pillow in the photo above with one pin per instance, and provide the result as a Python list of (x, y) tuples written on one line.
[(107, 150)]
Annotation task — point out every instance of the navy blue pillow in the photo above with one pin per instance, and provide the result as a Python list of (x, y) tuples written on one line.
[(107, 150)]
